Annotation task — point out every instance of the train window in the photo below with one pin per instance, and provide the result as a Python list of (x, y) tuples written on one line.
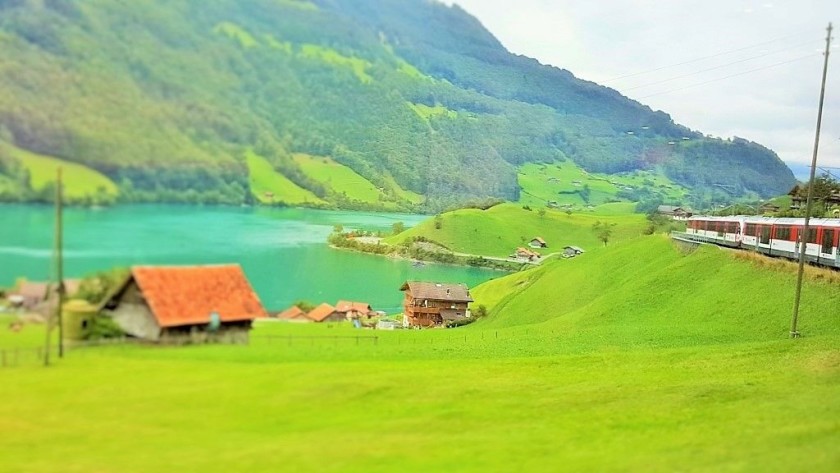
[(765, 235), (751, 229), (783, 233), (812, 235), (827, 240)]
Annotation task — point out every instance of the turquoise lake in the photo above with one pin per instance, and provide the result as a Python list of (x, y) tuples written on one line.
[(283, 251)]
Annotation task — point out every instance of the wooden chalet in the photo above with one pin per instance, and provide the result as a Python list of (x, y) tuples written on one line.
[(354, 310), (428, 304), (572, 251), (538, 242), (525, 254), (185, 304), (325, 313), (677, 213)]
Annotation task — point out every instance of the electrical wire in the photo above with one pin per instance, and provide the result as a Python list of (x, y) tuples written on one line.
[(701, 58), (717, 67), (729, 76)]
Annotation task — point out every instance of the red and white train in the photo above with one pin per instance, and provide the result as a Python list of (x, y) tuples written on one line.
[(772, 236)]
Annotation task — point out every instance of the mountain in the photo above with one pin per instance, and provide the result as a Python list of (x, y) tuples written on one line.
[(381, 104)]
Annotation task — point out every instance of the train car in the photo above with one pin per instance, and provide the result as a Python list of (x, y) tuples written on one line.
[(771, 236)]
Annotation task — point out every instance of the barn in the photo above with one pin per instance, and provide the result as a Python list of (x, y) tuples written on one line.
[(185, 303)]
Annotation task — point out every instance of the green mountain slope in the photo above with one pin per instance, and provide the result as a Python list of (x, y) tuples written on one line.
[(646, 292), (413, 96)]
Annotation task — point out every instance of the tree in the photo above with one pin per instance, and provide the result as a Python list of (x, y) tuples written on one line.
[(541, 213), (438, 222), (304, 305), (338, 228), (603, 230), (398, 227)]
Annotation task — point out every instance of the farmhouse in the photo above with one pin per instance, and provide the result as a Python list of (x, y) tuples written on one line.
[(677, 213), (294, 314), (768, 208), (353, 310), (525, 254), (194, 303), (31, 295), (538, 242), (325, 313), (572, 251), (428, 304)]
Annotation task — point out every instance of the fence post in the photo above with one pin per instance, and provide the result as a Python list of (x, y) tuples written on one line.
[(376, 340), (357, 339), (3, 352)]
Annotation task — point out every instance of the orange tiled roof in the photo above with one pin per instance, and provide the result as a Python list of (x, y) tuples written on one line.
[(348, 306), (292, 312), (320, 313), (187, 295)]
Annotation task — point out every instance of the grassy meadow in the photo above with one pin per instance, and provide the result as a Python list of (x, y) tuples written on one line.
[(338, 177), (264, 178), (79, 180), (563, 182), (636, 358), (498, 231)]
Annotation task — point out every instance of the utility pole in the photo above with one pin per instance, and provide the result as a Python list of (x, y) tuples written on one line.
[(803, 243), (59, 258), (51, 318)]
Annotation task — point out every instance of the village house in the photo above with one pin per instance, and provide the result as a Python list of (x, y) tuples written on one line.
[(768, 208), (294, 314), (33, 295), (572, 251), (185, 304), (428, 304), (538, 242), (325, 313), (676, 213), (354, 310), (524, 254)]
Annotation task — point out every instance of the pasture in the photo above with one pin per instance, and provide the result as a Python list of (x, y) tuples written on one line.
[(265, 179), (657, 361), (338, 177), (564, 182), (79, 180), (498, 231)]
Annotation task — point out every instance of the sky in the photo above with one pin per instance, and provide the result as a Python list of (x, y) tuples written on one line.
[(677, 57)]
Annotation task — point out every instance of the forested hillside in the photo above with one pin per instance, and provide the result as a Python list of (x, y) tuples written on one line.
[(279, 100)]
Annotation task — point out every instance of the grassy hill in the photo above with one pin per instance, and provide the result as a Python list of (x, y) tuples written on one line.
[(413, 96), (638, 357), (81, 183), (567, 184), (498, 231), (265, 182)]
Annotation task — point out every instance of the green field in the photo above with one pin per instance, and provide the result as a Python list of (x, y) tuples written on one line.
[(563, 183), (636, 358), (79, 180), (338, 177), (499, 230), (264, 179)]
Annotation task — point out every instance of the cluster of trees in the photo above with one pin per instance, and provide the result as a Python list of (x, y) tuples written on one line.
[(161, 99)]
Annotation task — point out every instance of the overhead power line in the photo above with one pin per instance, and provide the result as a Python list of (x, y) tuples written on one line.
[(729, 76), (683, 76), (703, 58)]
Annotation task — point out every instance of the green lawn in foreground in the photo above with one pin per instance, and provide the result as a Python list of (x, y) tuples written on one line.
[(79, 180), (668, 362), (264, 179), (338, 177), (499, 230)]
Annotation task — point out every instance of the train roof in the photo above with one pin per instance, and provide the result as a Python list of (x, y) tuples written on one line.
[(815, 222)]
